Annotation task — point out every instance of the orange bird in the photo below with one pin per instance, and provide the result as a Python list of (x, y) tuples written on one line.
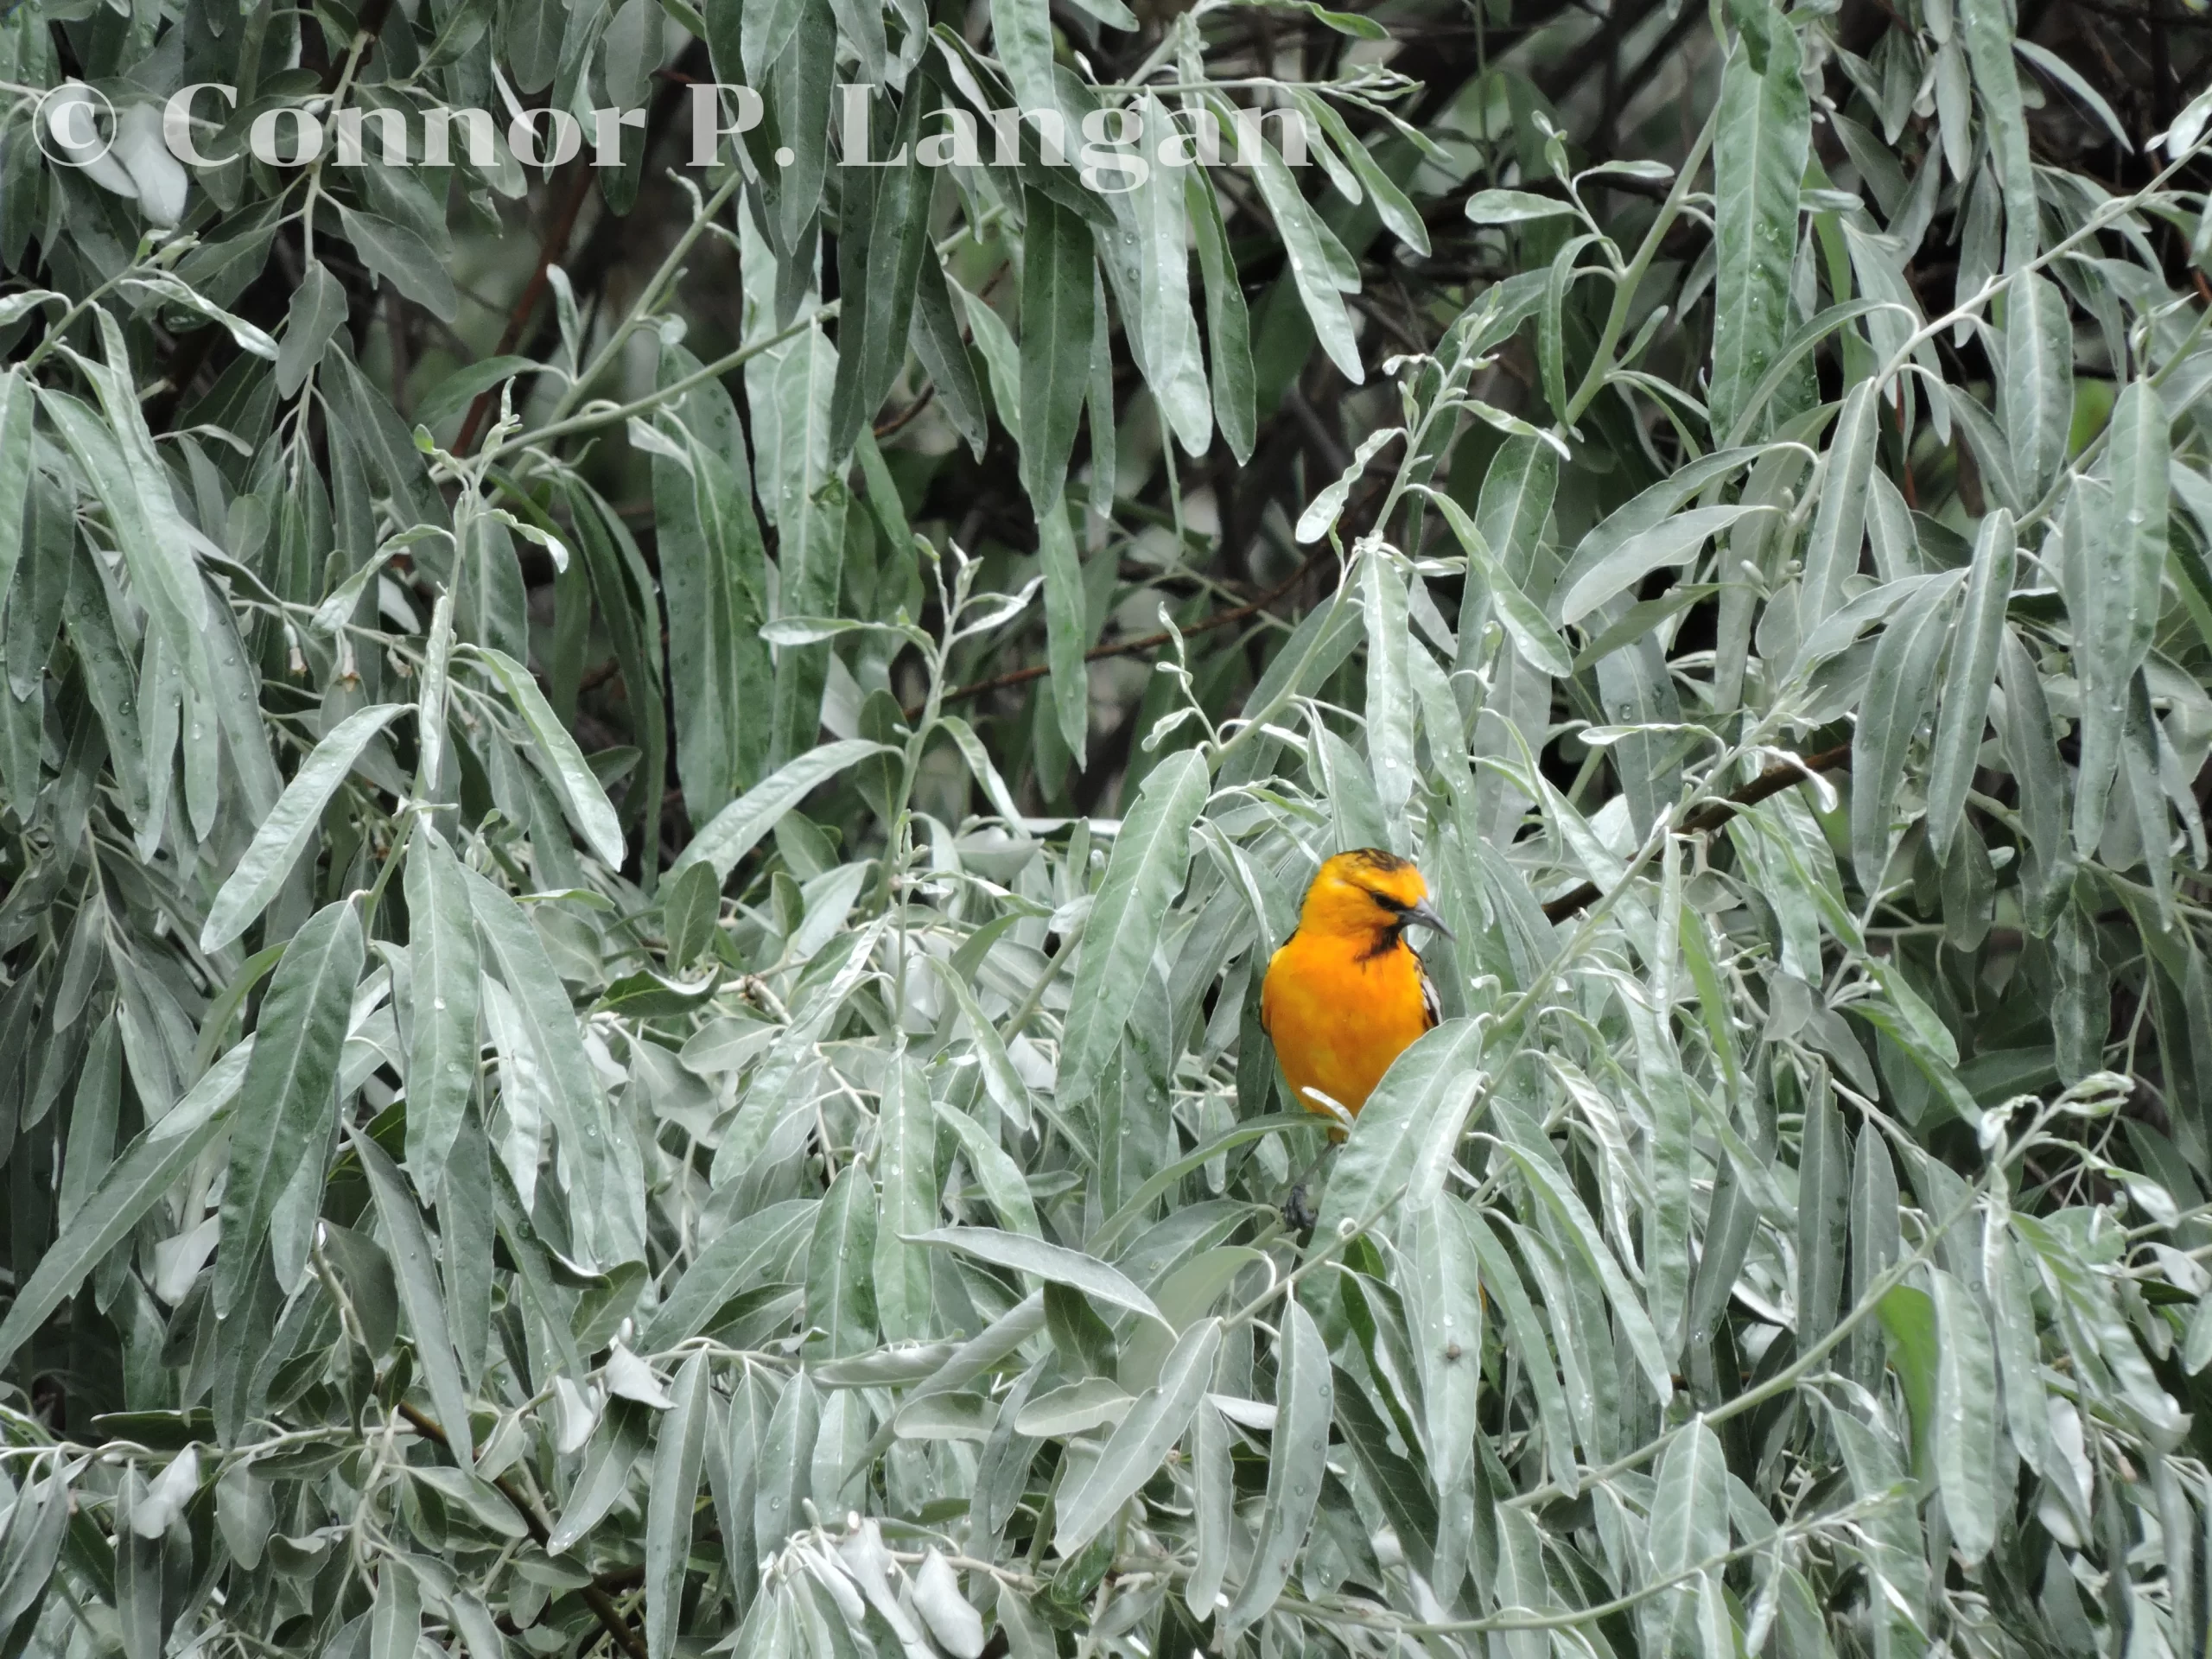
[(1345, 995)]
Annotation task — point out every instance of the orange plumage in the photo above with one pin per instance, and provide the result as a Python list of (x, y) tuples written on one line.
[(1345, 995)]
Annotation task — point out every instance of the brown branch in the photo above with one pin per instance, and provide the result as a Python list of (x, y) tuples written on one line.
[(595, 1597), (912, 410), (1713, 814), (549, 254)]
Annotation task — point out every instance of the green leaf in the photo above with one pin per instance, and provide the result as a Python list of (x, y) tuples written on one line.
[(396, 253), (786, 1451), (1823, 1215), (287, 1101), (1067, 628), (18, 394), (1398, 214), (1167, 337), (945, 355), (1689, 1510), (285, 834), (1297, 1461), (420, 1293), (755, 1250), (318, 307), (1514, 207), (1758, 157), (677, 1458), (739, 827), (1140, 1441), (1525, 620), (604, 1177), (1968, 680), (840, 1268), (906, 1166), (441, 955), (1228, 342), (1987, 26), (1057, 295), (557, 756), (1053, 1263), (1966, 1417), (1308, 245), (1840, 522), (2116, 560), (1897, 696), (1389, 688), (1421, 1102), (1001, 1177), (1143, 877), (134, 1183), (1446, 1312), (2038, 385)]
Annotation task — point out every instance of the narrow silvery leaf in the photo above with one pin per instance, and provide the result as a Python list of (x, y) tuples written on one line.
[(2039, 383), (563, 762), (1758, 157), (1228, 342), (1689, 1510), (1057, 293), (1389, 690), (600, 1161), (840, 1268), (1966, 1417), (1146, 871), (1307, 245), (1170, 331), (2115, 561), (677, 1458), (1987, 26), (1305, 1394), (318, 307), (1322, 512), (1141, 1439), (1067, 626), (1839, 521), (906, 1167), (1823, 1211), (285, 834), (18, 395), (134, 1183), (415, 1265), (1969, 678), (441, 952), (288, 1095), (1898, 695), (739, 826)]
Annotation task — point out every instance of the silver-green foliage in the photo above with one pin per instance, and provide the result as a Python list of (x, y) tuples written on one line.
[(433, 1224)]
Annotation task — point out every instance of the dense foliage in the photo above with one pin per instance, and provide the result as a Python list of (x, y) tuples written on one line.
[(641, 807)]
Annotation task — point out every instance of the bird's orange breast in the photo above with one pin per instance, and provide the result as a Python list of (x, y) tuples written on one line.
[(1339, 1018)]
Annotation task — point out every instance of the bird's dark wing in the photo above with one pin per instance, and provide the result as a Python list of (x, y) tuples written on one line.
[(1430, 1005)]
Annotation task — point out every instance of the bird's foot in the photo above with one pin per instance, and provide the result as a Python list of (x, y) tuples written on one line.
[(1297, 1214)]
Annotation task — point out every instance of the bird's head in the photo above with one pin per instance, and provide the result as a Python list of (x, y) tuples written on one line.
[(1369, 893)]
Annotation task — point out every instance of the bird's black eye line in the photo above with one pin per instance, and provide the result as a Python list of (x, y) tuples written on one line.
[(1396, 906)]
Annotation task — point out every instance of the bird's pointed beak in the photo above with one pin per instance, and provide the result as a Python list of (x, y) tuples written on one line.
[(1425, 913)]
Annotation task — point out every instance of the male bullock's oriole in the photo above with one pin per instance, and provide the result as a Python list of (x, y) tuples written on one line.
[(1346, 994)]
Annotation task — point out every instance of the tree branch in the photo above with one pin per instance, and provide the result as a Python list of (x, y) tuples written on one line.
[(1713, 814)]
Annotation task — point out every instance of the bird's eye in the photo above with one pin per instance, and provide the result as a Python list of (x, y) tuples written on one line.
[(1396, 906)]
